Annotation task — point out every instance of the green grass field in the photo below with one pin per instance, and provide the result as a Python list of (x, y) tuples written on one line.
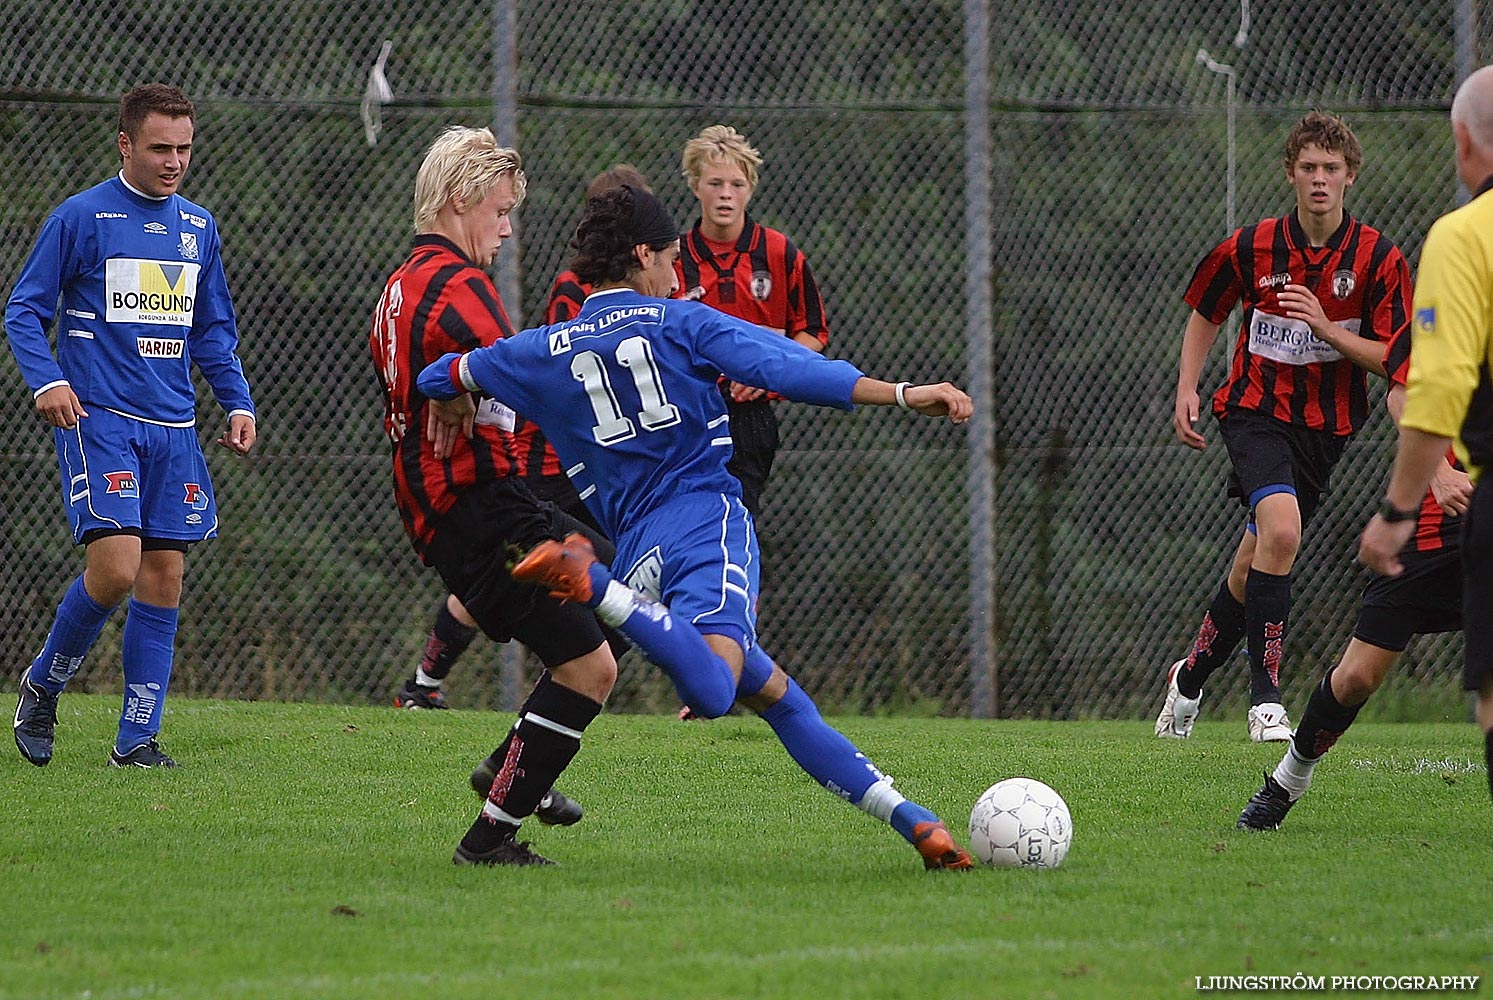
[(304, 851)]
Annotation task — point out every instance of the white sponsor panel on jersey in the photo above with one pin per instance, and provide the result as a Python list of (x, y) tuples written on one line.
[(496, 413), (150, 291), (159, 347), (1291, 341)]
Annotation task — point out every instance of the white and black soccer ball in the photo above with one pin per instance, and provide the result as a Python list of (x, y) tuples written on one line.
[(1020, 823)]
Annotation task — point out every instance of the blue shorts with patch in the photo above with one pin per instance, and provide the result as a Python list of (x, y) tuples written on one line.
[(125, 475), (698, 555)]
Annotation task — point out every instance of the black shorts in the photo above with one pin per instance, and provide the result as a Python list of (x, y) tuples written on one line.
[(1269, 452), (1477, 589), (1425, 598), (559, 491), (754, 444), (491, 526)]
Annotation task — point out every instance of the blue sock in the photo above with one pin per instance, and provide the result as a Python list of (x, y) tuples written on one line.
[(755, 672), (908, 815), (79, 621), (149, 641), (818, 748)]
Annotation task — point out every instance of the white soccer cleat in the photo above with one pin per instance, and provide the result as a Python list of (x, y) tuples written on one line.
[(1268, 723), (1178, 713)]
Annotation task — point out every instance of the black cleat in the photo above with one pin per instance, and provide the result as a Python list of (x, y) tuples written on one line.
[(509, 852), (555, 809), (1267, 807), (147, 754), (558, 809), (36, 722), (416, 696)]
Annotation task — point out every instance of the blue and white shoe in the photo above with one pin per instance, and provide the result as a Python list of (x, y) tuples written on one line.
[(36, 722)]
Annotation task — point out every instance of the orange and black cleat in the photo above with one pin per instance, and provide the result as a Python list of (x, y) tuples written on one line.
[(936, 844), (562, 567)]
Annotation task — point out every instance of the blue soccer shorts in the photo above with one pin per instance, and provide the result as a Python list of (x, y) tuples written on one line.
[(698, 555), (121, 475)]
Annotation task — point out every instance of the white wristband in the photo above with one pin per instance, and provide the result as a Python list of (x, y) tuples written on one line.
[(901, 395), (464, 372)]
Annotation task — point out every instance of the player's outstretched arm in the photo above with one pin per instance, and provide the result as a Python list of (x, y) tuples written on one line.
[(936, 400)]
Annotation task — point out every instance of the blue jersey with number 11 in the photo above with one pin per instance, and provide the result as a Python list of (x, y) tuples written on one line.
[(627, 394)]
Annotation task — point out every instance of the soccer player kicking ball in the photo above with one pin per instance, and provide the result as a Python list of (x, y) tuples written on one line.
[(1425, 598), (627, 393)]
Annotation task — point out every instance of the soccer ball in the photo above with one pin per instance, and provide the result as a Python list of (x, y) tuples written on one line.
[(1020, 823)]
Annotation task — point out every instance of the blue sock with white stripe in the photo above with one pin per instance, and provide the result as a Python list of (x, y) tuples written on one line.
[(79, 621), (149, 648), (541, 744), (819, 748)]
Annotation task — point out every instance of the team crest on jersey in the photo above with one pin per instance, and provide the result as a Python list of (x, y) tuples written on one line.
[(189, 246), (1343, 283), (1425, 320), (122, 484), (1278, 280), (156, 228), (761, 286), (695, 294), (196, 496)]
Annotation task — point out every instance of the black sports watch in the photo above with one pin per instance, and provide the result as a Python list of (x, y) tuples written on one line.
[(1393, 514)]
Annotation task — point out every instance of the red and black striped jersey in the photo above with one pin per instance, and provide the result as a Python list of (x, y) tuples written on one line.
[(1434, 528), (1280, 368), (763, 279), (532, 451), (435, 303)]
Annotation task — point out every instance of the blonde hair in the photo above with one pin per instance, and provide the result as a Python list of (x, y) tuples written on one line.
[(463, 165), (720, 142)]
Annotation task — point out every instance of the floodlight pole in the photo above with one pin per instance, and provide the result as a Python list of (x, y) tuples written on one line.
[(510, 288), (1224, 69), (979, 292)]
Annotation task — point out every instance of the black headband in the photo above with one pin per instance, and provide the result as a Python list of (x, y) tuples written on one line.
[(651, 222)]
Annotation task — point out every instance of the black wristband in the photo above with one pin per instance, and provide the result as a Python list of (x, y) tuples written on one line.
[(1393, 514)]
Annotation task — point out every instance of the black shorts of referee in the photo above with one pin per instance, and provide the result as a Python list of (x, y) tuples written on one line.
[(1477, 589)]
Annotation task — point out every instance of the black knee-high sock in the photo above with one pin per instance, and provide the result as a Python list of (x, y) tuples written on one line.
[(1267, 608), (1326, 720), (1217, 638), (1488, 756), (448, 639), (539, 746)]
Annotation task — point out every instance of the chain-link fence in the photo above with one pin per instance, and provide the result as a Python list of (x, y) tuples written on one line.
[(1109, 177)]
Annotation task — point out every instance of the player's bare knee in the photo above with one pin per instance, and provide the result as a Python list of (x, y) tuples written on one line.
[(592, 675)]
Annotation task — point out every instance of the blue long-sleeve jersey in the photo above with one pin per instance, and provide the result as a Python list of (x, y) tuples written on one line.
[(138, 289), (627, 394)]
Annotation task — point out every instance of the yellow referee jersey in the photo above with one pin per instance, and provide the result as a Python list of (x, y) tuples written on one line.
[(1449, 392)]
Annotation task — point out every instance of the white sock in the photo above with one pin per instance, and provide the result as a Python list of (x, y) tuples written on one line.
[(425, 680), (1294, 772), (881, 800), (616, 604), (493, 812)]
